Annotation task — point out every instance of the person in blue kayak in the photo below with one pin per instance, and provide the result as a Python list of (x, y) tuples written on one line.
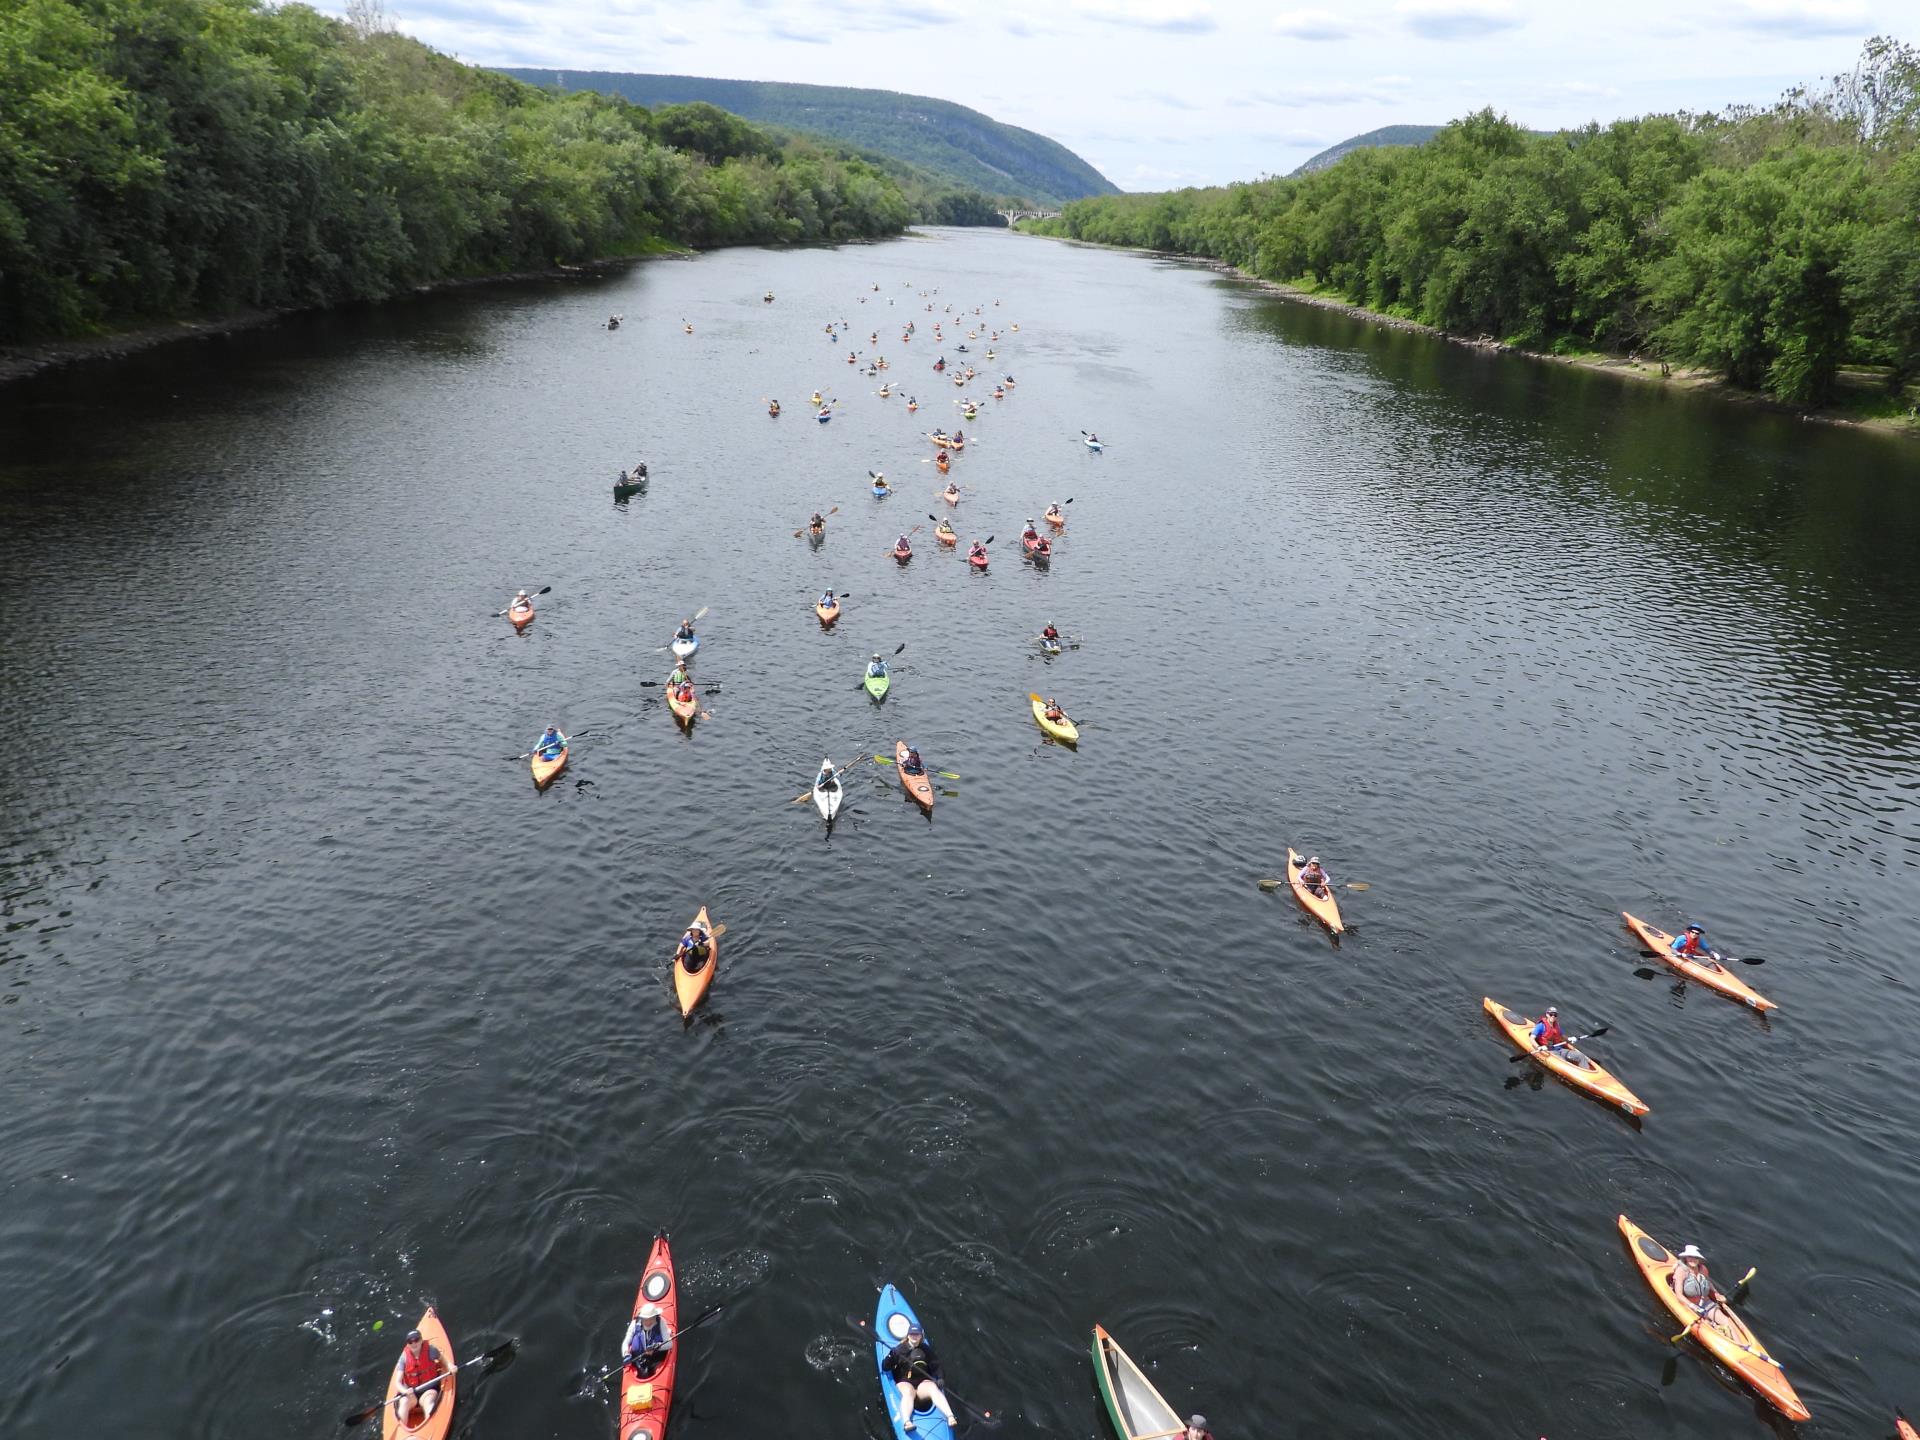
[(647, 1341), (876, 667), (912, 763), (550, 744), (685, 632), (1547, 1033), (916, 1375), (695, 946), (1691, 944)]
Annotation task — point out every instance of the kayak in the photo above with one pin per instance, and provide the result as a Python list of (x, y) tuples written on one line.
[(1055, 519), (1714, 977), (1578, 1070), (683, 649), (544, 770), (880, 492), (1038, 549), (520, 619), (1095, 445), (644, 1402), (920, 787), (902, 555), (437, 1425), (692, 985), (979, 562), (1905, 1427), (827, 799), (877, 685), (951, 496), (1724, 1334), (1135, 1407), (1323, 908), (1061, 729), (891, 1317), (1050, 647), (827, 613), (683, 710), (947, 537)]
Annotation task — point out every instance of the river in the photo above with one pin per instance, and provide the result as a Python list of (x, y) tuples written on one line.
[(315, 1011)]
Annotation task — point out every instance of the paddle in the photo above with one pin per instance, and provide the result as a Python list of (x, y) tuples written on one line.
[(803, 530), (1349, 885), (541, 591), (494, 1359), (1715, 954), (985, 1416), (1570, 1042), (1676, 1339), (712, 689), (568, 738), (943, 774), (694, 1324)]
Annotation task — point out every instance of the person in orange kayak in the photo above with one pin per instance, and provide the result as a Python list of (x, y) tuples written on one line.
[(912, 764), (679, 676), (419, 1372), (916, 1375), (1029, 533), (550, 743), (647, 1341), (977, 552), (1691, 944), (695, 946), (1547, 1032), (521, 600), (1693, 1283), (1314, 877)]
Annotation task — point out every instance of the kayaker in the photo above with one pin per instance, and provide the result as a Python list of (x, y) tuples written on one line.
[(877, 666), (952, 492), (818, 523), (916, 1374), (1050, 634), (826, 779), (1691, 944), (639, 471), (419, 1372), (827, 600), (1314, 877), (685, 632), (773, 407), (912, 764), (647, 1341), (679, 677), (1053, 711), (695, 946), (1547, 1032), (977, 552), (683, 692), (550, 744), (1029, 533), (522, 602), (1692, 1281), (901, 544), (1197, 1428)]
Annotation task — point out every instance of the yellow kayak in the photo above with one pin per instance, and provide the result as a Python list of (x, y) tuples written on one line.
[(1061, 729)]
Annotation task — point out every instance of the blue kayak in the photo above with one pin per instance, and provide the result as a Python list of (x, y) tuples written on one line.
[(682, 649), (880, 492), (891, 1316)]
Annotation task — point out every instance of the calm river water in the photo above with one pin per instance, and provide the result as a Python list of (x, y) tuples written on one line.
[(314, 1010)]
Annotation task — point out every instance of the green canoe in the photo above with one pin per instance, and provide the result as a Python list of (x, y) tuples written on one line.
[(1134, 1406)]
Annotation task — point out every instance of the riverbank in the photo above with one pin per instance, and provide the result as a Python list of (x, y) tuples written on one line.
[(1632, 367), (19, 362)]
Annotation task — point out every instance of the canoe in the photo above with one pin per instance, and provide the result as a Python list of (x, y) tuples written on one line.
[(902, 555), (1135, 1407), (827, 613), (1714, 977), (683, 710), (920, 787), (1724, 1334), (683, 649), (877, 685), (827, 800), (691, 986), (978, 562), (520, 619), (1323, 908), (891, 1317), (437, 1425), (1062, 729), (947, 537), (645, 1402), (544, 770), (1578, 1070), (627, 492)]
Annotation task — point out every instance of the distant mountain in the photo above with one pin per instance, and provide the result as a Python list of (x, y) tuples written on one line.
[(958, 145), (1385, 135)]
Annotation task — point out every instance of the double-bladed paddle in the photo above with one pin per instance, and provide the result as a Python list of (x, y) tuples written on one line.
[(1569, 1042), (1741, 1285), (863, 679), (693, 1324), (807, 794), (943, 774), (569, 739), (494, 1359), (809, 525)]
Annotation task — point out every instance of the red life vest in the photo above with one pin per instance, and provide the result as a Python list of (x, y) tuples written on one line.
[(1691, 944), (1550, 1033), (418, 1369)]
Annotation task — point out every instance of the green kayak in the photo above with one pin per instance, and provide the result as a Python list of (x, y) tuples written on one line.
[(877, 685)]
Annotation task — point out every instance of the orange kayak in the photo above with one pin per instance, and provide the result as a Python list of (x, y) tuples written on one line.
[(543, 773), (521, 619), (920, 787), (1709, 973), (947, 537), (1725, 1334), (645, 1403), (1905, 1427), (437, 1425), (1580, 1071), (1323, 908), (692, 985), (1055, 519), (827, 613), (683, 710)]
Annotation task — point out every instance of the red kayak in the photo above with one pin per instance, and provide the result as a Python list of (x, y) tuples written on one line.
[(1040, 548), (902, 555), (977, 559), (645, 1399)]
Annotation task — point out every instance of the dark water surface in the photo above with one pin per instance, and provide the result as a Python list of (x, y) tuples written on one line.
[(315, 1011)]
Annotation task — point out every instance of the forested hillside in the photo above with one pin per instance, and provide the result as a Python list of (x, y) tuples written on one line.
[(164, 158), (1771, 245), (1385, 135), (961, 146)]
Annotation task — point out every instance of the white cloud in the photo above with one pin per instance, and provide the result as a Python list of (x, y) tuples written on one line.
[(1802, 19), (1314, 25), (1457, 19), (1173, 17)]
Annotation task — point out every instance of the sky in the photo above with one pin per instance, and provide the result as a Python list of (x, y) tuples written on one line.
[(1164, 93)]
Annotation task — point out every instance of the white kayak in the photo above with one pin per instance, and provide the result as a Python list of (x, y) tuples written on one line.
[(827, 799), (1093, 444), (683, 648)]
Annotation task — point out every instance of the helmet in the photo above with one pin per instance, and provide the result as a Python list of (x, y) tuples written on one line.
[(1553, 1009)]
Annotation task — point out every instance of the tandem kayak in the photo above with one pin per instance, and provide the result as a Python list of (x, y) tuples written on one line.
[(878, 685), (920, 786), (544, 769), (827, 613), (683, 710), (1040, 549), (1712, 974), (437, 1425), (1323, 908), (1578, 1070), (683, 649), (1724, 1334), (1138, 1411), (692, 985), (520, 620), (891, 1317), (1061, 729), (645, 1399)]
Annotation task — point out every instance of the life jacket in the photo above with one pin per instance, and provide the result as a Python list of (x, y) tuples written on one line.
[(1051, 633), (1691, 943), (1313, 879), (1550, 1031), (912, 764), (1694, 1285), (418, 1369)]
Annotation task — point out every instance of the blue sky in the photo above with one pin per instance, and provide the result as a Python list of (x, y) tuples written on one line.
[(1160, 93)]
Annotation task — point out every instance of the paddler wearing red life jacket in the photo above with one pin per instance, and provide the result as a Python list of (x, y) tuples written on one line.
[(1314, 877), (419, 1372), (1547, 1032), (1691, 944)]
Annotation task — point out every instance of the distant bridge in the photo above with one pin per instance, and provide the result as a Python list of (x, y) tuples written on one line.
[(1014, 217)]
